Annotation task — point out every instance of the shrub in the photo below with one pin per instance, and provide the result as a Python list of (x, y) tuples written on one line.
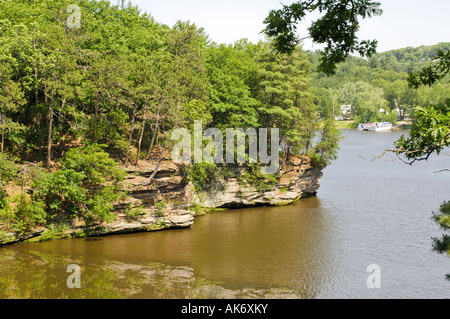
[(27, 213), (442, 245), (206, 176), (202, 175), (160, 208), (254, 177), (8, 170), (85, 186)]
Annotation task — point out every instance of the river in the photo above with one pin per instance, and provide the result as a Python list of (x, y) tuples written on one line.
[(365, 213)]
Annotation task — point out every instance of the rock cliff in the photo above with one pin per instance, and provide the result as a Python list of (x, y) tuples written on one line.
[(170, 202)]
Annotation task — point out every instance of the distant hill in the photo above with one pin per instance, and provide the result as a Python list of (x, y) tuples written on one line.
[(407, 59), (387, 71), (417, 53), (399, 63)]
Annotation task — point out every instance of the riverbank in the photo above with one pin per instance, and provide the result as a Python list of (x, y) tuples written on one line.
[(348, 125), (319, 247), (345, 125), (171, 202)]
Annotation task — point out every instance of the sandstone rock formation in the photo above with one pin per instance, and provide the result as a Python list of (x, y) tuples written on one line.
[(167, 203)]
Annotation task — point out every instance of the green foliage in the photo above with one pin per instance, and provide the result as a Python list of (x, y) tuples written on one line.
[(430, 133), (442, 245), (11, 98), (27, 213), (390, 117), (95, 164), (337, 28), (134, 213), (202, 175), (253, 177), (326, 150), (230, 69), (433, 73), (86, 186), (160, 208), (366, 101), (384, 79), (23, 214), (124, 81), (252, 86), (407, 60), (444, 217), (8, 170)]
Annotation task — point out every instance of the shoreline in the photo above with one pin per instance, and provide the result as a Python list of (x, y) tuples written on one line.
[(347, 125), (142, 210)]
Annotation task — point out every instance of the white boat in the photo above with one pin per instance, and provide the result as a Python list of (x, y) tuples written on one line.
[(375, 127), (385, 126), (365, 126)]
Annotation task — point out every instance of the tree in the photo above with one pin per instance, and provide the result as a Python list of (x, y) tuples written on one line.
[(11, 98), (366, 100), (106, 90), (326, 150), (8, 169), (125, 82), (57, 74), (336, 29), (229, 70), (430, 134), (432, 74), (442, 245), (182, 79), (86, 186), (282, 87)]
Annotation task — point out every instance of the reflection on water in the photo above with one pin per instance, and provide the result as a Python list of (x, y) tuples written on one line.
[(365, 213), (36, 275), (253, 253)]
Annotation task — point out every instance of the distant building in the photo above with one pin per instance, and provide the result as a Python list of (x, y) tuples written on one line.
[(345, 113)]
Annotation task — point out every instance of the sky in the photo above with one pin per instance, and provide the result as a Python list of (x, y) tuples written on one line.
[(404, 22)]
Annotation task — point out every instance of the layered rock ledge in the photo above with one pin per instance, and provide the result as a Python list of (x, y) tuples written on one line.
[(171, 202)]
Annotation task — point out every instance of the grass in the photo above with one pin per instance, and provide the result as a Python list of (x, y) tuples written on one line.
[(406, 125), (344, 124), (350, 124)]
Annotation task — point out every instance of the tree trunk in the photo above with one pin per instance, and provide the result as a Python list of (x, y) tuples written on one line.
[(140, 141), (36, 101), (303, 158), (50, 127), (41, 138), (94, 131), (3, 132), (22, 192), (150, 180), (131, 135), (154, 131), (286, 155), (50, 124), (401, 115)]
